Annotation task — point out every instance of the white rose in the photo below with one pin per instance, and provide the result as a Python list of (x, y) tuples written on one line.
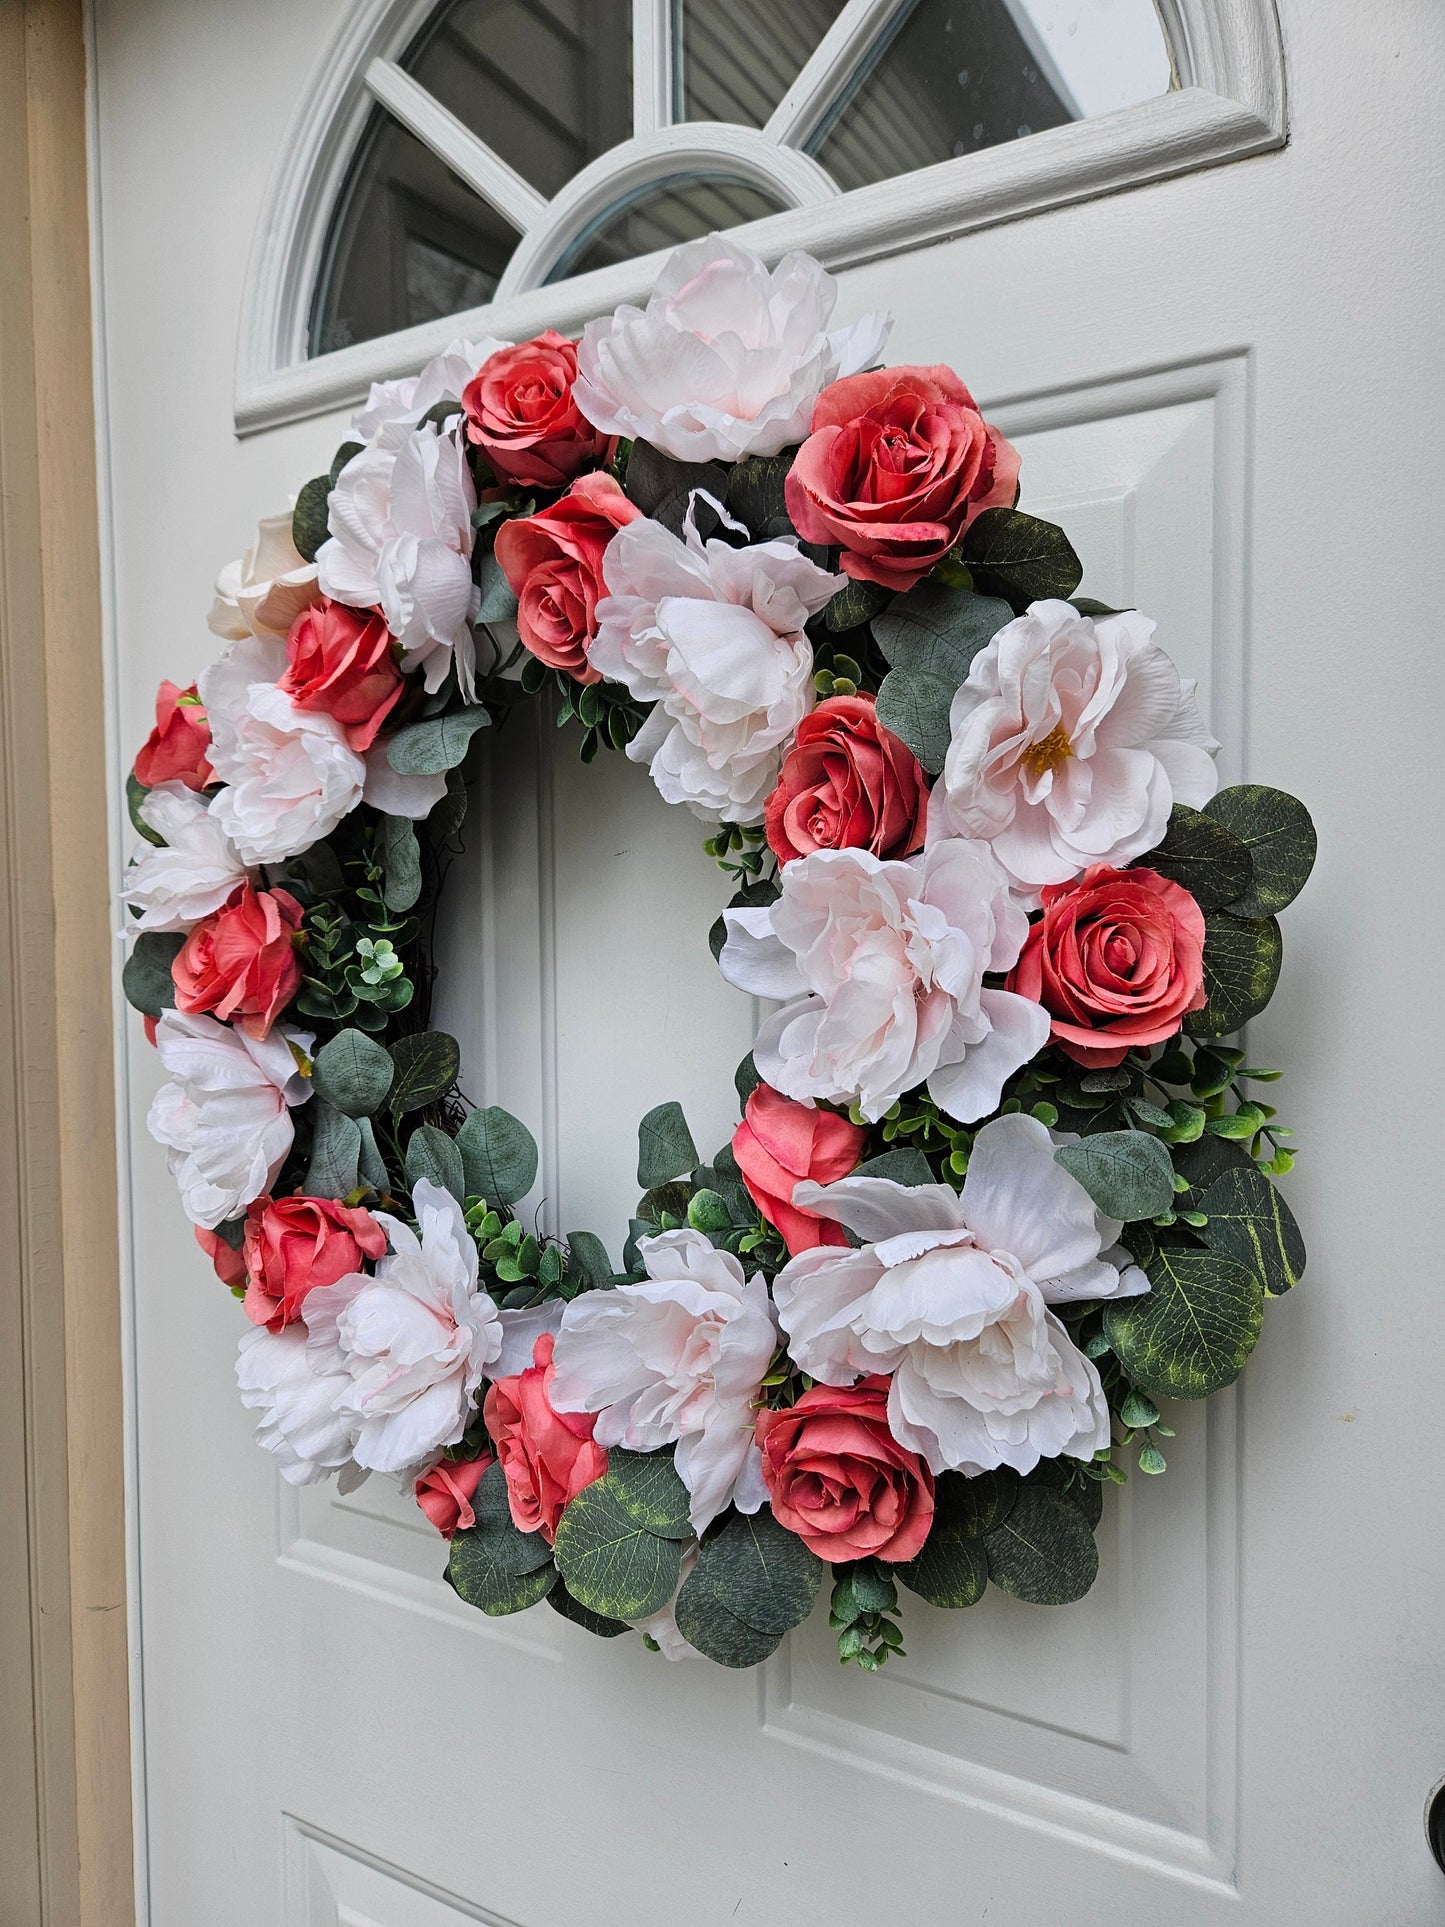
[(263, 593), (409, 1344), (301, 1425), (443, 379), (714, 637), (401, 541), (891, 957), (225, 1116), (951, 1296), (726, 359), (678, 1360), (192, 874), (1072, 740)]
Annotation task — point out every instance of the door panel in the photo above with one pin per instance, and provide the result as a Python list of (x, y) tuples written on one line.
[(1218, 384)]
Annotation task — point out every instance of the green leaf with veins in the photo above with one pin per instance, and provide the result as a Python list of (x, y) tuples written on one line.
[(1192, 1332)]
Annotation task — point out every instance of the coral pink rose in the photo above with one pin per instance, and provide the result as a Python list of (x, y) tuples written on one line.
[(847, 783), (521, 414), (445, 1493), (1117, 959), (175, 750), (839, 1479), (229, 1263), (777, 1145), (547, 1456), (241, 962), (553, 560), (292, 1245), (341, 660), (896, 467)]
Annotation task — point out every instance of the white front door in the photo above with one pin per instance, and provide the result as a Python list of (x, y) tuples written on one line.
[(1227, 386)]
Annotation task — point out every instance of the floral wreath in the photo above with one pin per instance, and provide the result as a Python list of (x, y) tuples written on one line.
[(998, 1191)]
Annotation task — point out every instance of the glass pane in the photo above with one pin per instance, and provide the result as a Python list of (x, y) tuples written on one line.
[(663, 215), (547, 84), (959, 75), (734, 60), (407, 242)]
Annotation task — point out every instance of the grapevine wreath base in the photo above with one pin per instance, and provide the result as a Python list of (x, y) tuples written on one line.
[(998, 1193)]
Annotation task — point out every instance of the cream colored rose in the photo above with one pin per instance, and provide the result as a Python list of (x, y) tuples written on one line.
[(263, 593)]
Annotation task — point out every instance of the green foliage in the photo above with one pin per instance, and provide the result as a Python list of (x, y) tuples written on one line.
[(662, 488), (561, 1601), (914, 704), (1192, 1331), (952, 1569), (400, 860), (861, 1610), (371, 1165), (426, 1062), (1209, 860), (308, 518), (436, 744), (499, 1155), (1242, 958), (752, 1583), (756, 495), (857, 603), (1246, 1218), (664, 1146), (353, 1073), (1043, 1551), (1277, 831), (335, 1152), (498, 603), (146, 979), (354, 972), (937, 631), (1015, 555), (343, 455), (432, 1155), (493, 1566), (618, 1545), (901, 1166), (1128, 1174), (135, 794), (587, 1261)]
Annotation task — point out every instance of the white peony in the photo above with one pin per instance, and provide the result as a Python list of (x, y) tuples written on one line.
[(225, 1116), (409, 1345), (401, 541), (726, 359), (678, 1360), (890, 958), (302, 1425), (263, 593), (407, 400), (1072, 740), (713, 636), (951, 1296), (192, 874)]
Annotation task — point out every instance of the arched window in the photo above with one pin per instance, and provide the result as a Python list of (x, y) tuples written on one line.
[(465, 158)]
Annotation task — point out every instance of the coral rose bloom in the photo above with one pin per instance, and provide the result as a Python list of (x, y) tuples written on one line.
[(839, 1479), (175, 750), (546, 1456), (1117, 960), (341, 661), (553, 562), (242, 963), (521, 414), (445, 1493), (292, 1245), (847, 783), (777, 1145), (898, 464)]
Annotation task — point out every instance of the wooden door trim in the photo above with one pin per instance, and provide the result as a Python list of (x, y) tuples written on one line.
[(66, 1811)]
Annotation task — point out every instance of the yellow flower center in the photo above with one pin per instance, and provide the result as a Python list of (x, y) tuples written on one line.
[(1042, 757)]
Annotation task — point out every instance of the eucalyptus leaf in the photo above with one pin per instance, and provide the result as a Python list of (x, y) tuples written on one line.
[(1059, 1475), (515, 1551), (1016, 555), (939, 630), (762, 1573), (426, 1064), (664, 1146), (146, 979), (428, 748), (857, 603), (400, 861), (649, 1490), (353, 1072), (347, 452), (707, 1622), (450, 811), (951, 1570), (1250, 1221), (662, 488), (1191, 1334), (1043, 1551), (612, 1565), (335, 1151), (478, 1574), (1242, 958), (977, 1504), (1202, 1161), (1207, 859), (1278, 831), (432, 1155), (588, 1261), (308, 518), (755, 490), (914, 705), (561, 1601), (499, 602), (1128, 1174), (746, 1078), (499, 1156), (135, 794), (902, 1165), (370, 1164)]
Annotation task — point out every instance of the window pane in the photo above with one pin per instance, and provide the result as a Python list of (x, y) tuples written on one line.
[(733, 60), (665, 214), (959, 75), (407, 242), (547, 84)]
